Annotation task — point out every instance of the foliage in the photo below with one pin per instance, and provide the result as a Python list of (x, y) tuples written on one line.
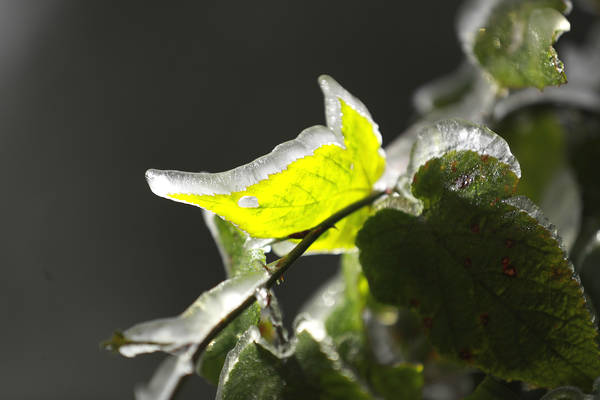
[(451, 274)]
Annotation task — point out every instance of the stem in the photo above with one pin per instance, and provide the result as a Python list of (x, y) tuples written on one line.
[(283, 264)]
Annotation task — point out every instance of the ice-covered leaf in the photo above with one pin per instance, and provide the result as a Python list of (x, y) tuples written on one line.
[(309, 369), (238, 260), (194, 324), (465, 93), (493, 389), (537, 138), (341, 306), (583, 90), (298, 184), (512, 40), (486, 272), (568, 393)]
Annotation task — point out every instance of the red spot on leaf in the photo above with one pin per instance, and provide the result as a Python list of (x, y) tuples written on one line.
[(465, 354), (505, 261), (484, 318), (453, 166), (427, 322), (468, 262), (414, 303), (509, 243), (509, 270), (475, 228), (484, 157)]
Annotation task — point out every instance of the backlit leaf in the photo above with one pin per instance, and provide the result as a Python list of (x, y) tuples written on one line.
[(486, 271), (298, 184)]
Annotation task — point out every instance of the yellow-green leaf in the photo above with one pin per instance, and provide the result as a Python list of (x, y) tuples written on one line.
[(300, 183)]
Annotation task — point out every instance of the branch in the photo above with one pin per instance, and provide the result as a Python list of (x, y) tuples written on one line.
[(279, 267)]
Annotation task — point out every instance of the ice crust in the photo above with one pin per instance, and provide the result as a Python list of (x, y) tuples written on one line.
[(436, 139), (165, 182), (195, 323)]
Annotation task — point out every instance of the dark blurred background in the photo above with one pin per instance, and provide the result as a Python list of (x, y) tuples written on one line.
[(93, 93)]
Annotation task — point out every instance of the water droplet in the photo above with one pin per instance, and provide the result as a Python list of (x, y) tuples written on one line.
[(248, 202), (263, 297), (463, 181)]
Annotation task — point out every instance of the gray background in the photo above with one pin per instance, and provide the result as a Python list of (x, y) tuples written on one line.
[(92, 93)]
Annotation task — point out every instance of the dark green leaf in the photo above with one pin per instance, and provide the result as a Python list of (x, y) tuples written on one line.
[(512, 40), (310, 369), (346, 326), (489, 277)]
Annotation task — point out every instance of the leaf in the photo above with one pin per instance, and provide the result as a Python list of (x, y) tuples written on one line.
[(493, 389), (465, 93), (298, 184), (238, 260), (538, 139), (194, 324), (567, 393), (340, 305), (512, 40), (309, 369), (583, 90), (486, 271)]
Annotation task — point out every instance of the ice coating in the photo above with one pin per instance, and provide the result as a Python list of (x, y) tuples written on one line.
[(582, 91), (164, 381), (325, 299), (248, 202), (567, 393), (471, 16), (209, 220), (316, 329), (165, 182), (162, 183), (398, 155), (195, 323), (252, 335), (562, 204), (437, 139), (333, 110), (474, 105), (523, 204)]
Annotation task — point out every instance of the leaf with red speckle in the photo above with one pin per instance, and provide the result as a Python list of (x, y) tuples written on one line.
[(487, 271)]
